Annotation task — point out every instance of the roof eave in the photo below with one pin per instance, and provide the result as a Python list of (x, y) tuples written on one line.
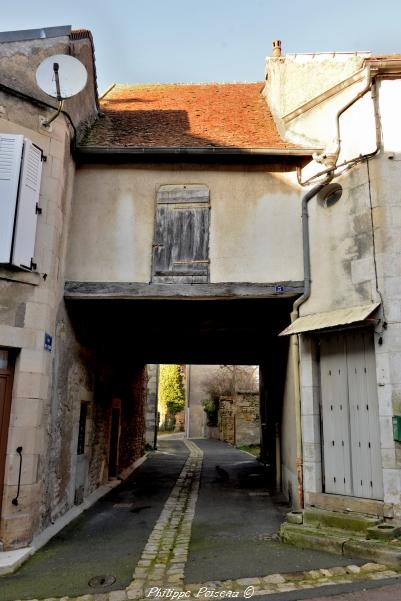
[(83, 151)]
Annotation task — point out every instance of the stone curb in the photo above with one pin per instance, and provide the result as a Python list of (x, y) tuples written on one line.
[(341, 544)]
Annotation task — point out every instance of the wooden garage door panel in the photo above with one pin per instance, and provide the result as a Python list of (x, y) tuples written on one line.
[(336, 442), (364, 416)]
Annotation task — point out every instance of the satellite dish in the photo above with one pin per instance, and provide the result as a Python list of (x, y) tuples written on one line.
[(61, 76)]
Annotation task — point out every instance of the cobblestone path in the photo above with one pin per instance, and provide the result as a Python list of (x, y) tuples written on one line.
[(163, 559)]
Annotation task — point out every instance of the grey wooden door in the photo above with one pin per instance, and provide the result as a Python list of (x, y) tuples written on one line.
[(181, 241), (350, 417)]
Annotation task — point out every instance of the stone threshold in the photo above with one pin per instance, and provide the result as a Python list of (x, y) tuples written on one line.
[(10, 561)]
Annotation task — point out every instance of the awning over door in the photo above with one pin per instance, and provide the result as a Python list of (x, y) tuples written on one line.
[(330, 319)]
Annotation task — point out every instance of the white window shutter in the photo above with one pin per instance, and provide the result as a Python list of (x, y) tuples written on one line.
[(28, 197), (10, 164)]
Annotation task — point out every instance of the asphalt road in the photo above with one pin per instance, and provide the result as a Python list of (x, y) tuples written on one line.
[(107, 539), (233, 534)]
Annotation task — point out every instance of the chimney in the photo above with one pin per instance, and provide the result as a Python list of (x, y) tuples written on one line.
[(276, 48)]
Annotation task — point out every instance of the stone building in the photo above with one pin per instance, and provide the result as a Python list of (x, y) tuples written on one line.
[(71, 416), (174, 229), (349, 321)]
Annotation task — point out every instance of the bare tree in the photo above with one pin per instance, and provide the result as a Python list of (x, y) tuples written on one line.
[(231, 379)]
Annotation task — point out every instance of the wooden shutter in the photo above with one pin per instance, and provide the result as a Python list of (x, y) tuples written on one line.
[(181, 242), (28, 197), (10, 165)]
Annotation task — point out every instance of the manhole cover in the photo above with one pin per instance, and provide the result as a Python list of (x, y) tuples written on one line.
[(97, 581)]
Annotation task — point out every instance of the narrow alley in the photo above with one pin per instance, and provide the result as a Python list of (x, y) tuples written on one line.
[(178, 525)]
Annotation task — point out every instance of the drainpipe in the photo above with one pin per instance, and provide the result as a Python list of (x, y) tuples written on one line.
[(331, 158), (294, 338)]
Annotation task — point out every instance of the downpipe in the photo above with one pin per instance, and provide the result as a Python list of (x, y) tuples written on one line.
[(295, 340)]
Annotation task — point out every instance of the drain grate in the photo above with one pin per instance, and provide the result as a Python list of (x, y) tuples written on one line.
[(98, 581)]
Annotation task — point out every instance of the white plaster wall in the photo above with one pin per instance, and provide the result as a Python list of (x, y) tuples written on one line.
[(341, 248), (255, 233), (300, 78), (341, 237)]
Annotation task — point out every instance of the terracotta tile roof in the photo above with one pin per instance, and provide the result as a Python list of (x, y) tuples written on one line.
[(229, 115)]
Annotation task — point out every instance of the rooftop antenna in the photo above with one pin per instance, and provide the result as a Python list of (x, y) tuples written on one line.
[(61, 76)]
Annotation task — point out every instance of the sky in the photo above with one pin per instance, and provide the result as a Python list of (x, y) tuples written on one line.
[(141, 41)]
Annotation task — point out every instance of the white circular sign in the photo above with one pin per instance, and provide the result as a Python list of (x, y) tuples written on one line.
[(72, 76)]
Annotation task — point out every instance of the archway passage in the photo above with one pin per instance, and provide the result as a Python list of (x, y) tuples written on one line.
[(176, 518), (235, 332)]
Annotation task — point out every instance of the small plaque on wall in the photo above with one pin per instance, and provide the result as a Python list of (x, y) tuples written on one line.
[(48, 342)]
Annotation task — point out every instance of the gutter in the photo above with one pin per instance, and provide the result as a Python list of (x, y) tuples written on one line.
[(331, 159), (389, 66), (102, 151)]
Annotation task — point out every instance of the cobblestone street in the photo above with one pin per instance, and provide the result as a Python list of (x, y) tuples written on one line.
[(178, 530)]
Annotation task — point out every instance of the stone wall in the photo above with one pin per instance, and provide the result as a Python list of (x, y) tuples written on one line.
[(247, 422), (239, 419), (28, 310), (85, 374), (227, 420), (132, 438)]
